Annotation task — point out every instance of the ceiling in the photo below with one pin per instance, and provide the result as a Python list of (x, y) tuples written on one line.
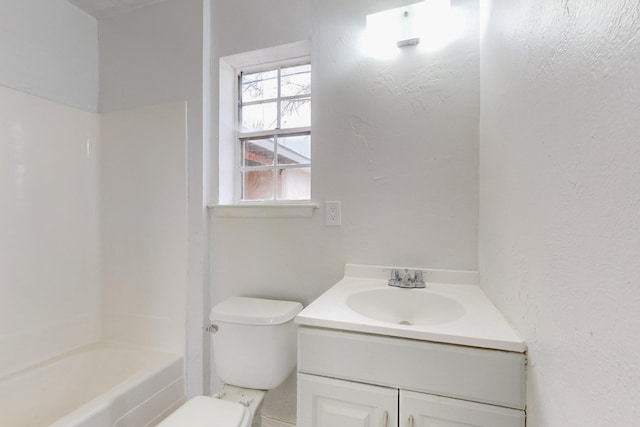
[(100, 8)]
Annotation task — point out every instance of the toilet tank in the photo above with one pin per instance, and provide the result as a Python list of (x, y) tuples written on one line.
[(255, 343)]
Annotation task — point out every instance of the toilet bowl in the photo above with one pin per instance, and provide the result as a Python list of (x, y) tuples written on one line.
[(253, 343), (230, 407), (203, 411)]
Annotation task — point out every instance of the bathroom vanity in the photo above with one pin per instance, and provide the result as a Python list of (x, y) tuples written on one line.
[(374, 356)]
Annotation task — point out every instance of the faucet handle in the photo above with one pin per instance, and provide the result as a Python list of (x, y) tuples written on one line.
[(407, 280), (395, 277), (419, 280)]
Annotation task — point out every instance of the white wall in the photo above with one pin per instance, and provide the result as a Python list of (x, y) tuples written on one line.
[(560, 200), (154, 55), (144, 226), (51, 230), (49, 239), (151, 55), (395, 141), (266, 245), (49, 48)]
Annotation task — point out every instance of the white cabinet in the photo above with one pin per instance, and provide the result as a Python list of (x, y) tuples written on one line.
[(350, 379), (426, 410), (326, 402)]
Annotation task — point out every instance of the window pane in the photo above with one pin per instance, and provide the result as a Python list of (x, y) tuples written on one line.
[(295, 113), (296, 81), (259, 86), (294, 184), (294, 150), (259, 117), (257, 152), (257, 185)]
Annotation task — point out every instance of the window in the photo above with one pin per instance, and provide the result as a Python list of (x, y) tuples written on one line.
[(274, 134), (264, 133)]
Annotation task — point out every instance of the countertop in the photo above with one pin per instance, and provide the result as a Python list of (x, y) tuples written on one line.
[(481, 325)]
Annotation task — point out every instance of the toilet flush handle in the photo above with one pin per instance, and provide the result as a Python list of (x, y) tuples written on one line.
[(213, 328)]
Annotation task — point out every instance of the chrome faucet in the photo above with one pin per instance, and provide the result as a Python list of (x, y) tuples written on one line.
[(395, 278), (407, 281)]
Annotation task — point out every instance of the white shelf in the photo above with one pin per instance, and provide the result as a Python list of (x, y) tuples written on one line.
[(297, 210)]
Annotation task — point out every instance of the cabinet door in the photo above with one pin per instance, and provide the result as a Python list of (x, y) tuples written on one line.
[(425, 410), (325, 402)]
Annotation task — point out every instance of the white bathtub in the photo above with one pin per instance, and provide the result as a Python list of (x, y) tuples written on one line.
[(100, 385)]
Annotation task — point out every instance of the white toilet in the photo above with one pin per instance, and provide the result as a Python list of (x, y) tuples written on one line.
[(254, 350)]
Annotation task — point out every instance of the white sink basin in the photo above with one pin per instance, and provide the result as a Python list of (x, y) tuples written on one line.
[(405, 306), (452, 309)]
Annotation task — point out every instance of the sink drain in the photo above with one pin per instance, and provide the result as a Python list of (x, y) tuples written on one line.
[(404, 322)]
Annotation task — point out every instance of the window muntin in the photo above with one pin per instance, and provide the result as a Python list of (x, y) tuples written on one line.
[(274, 109)]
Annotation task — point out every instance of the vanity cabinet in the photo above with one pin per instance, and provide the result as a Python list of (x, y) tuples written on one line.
[(326, 402), (348, 379), (426, 410)]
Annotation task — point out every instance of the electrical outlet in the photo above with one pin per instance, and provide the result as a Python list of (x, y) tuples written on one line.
[(332, 211)]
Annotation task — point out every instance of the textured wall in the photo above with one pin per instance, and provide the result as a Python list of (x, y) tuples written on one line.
[(152, 55), (560, 200), (395, 141), (49, 49), (262, 257)]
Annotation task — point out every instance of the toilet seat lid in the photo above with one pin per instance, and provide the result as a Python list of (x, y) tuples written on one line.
[(205, 411)]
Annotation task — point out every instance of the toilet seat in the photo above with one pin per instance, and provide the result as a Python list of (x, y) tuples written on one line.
[(205, 411)]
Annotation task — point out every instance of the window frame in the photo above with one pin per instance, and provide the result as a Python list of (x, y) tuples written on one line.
[(241, 137)]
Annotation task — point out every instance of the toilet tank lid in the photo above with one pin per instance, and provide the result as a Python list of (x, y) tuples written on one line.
[(254, 311)]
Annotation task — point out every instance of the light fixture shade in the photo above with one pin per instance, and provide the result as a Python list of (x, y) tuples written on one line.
[(410, 25), (401, 26)]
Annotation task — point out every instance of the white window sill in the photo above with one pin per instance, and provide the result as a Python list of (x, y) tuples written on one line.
[(297, 210)]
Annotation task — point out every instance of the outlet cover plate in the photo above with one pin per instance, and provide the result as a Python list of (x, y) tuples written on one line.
[(333, 214)]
